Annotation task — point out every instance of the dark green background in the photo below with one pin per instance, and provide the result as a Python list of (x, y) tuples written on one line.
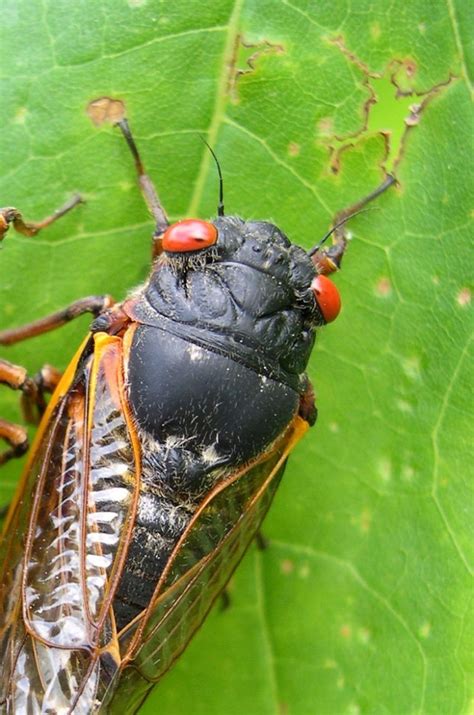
[(362, 602)]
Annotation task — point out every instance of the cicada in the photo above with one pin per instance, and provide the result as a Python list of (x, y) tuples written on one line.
[(157, 456)]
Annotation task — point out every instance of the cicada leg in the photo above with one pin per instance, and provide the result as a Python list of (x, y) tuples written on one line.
[(95, 304), (261, 541), (262, 544), (16, 437), (10, 216), (328, 260), (148, 190), (33, 391), (225, 600)]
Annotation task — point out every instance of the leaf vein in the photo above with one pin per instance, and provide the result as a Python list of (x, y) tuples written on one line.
[(351, 569), (437, 457), (458, 41), (282, 163)]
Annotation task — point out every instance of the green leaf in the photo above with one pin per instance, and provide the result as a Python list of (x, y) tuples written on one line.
[(361, 604)]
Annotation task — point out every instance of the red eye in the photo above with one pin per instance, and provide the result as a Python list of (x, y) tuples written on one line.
[(327, 297), (189, 235)]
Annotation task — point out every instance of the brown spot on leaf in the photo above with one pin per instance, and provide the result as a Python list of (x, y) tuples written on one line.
[(340, 43), (375, 31), (244, 61), (325, 126), (20, 116), (293, 149), (365, 521), (287, 566), (106, 109), (336, 156), (425, 630), (464, 297), (383, 287), (402, 73), (346, 631)]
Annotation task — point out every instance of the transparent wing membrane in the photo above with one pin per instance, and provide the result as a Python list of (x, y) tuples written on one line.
[(86, 476)]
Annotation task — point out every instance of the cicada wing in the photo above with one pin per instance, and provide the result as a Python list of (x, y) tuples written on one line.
[(198, 569), (58, 633)]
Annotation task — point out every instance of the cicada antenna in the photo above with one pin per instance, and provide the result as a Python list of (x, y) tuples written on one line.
[(336, 226), (355, 210), (220, 205)]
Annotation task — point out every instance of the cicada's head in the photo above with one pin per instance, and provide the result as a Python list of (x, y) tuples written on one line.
[(244, 280)]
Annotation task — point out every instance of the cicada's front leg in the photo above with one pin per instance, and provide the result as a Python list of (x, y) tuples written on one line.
[(10, 216), (95, 304), (148, 190), (33, 389)]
